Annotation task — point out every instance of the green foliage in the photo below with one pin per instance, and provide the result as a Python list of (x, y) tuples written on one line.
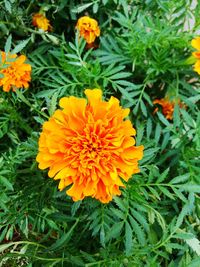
[(141, 56)]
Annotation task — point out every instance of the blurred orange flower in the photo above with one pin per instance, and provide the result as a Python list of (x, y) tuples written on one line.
[(196, 44), (16, 73), (41, 22), (89, 145), (167, 106), (88, 29)]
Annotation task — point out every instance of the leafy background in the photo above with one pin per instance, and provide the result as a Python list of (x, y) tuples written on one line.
[(141, 55)]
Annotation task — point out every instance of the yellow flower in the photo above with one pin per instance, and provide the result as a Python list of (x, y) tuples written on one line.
[(88, 29), (90, 146), (167, 106), (196, 44), (41, 22), (197, 66), (16, 73)]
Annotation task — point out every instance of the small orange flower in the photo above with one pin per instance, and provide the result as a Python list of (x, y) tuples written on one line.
[(90, 146), (41, 22), (88, 29), (16, 73), (196, 44), (167, 106)]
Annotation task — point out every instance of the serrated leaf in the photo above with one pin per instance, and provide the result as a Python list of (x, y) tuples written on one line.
[(180, 178), (128, 238), (81, 8), (8, 6), (64, 239), (187, 118), (194, 243), (158, 132), (115, 230), (190, 188), (138, 230), (176, 116), (20, 46), (185, 210), (149, 127), (140, 218), (143, 108), (163, 119), (4, 181), (8, 44), (166, 192), (163, 176)]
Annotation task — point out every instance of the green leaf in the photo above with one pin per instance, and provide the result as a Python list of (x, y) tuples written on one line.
[(81, 8), (128, 239), (187, 118), (194, 263), (6, 183), (53, 104), (8, 6), (166, 192), (8, 44), (143, 108), (163, 119), (180, 178), (190, 188), (194, 243), (115, 230), (176, 116), (158, 132), (138, 231), (149, 127), (185, 210), (65, 238), (163, 176), (20, 46)]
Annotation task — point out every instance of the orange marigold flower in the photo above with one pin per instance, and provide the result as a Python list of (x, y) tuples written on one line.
[(41, 22), (89, 145), (167, 106), (88, 29), (16, 73)]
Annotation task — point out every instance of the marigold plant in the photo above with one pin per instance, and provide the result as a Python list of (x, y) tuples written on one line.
[(196, 44), (41, 22), (88, 29), (90, 146), (16, 73), (167, 106)]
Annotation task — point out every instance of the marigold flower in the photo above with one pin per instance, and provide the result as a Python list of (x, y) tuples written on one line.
[(41, 22), (88, 29), (197, 66), (90, 146), (16, 73), (167, 106), (196, 44)]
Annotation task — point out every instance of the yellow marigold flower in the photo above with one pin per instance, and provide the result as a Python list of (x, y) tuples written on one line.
[(41, 22), (196, 43), (167, 106), (16, 73), (90, 146), (197, 66), (88, 29)]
